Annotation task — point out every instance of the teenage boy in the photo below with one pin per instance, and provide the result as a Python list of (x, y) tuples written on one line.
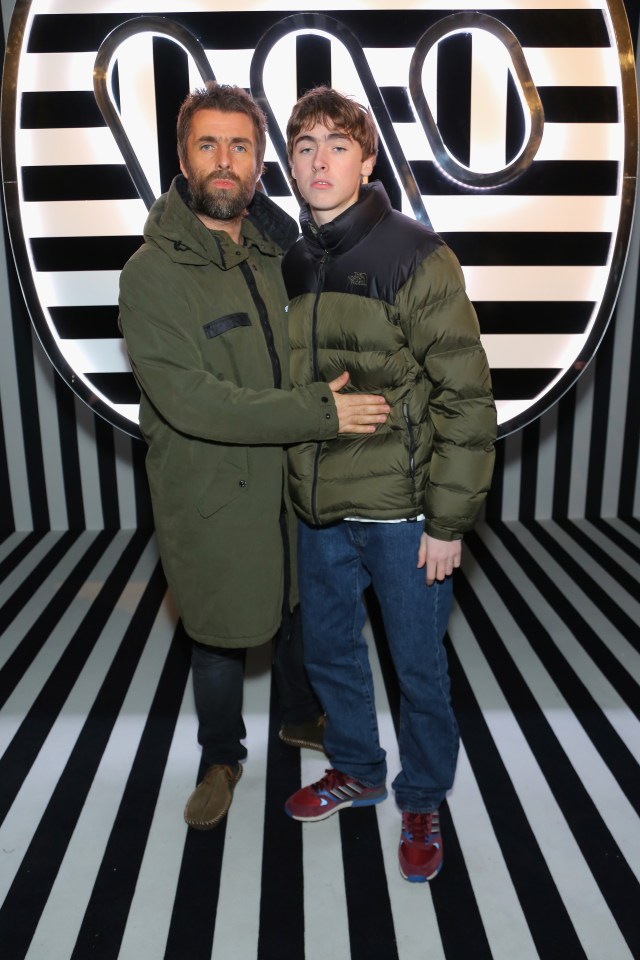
[(374, 291)]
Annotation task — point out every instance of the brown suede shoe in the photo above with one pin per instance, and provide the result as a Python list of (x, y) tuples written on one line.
[(211, 799), (308, 734)]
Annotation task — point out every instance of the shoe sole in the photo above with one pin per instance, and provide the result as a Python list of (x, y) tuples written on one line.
[(309, 744), (419, 878), (369, 802)]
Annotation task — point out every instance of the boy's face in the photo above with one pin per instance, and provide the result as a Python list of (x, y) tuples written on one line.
[(328, 167)]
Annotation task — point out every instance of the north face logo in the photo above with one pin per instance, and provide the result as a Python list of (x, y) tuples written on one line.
[(360, 280)]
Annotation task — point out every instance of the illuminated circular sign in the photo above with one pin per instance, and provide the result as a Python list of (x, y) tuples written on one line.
[(512, 130)]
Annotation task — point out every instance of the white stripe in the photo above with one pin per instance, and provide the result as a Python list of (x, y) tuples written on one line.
[(96, 356)]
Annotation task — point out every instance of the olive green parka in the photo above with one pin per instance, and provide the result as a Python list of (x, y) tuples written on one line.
[(204, 324)]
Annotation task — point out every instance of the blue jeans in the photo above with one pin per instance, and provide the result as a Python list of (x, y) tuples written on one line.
[(336, 564)]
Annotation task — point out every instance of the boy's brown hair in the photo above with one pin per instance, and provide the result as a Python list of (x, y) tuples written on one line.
[(333, 109), (227, 99)]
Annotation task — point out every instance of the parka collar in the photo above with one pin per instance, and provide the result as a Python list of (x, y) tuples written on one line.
[(174, 227), (350, 227)]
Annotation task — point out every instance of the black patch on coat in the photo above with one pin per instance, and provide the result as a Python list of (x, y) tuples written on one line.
[(215, 327)]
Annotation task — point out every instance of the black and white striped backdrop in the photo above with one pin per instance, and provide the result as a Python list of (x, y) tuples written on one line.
[(98, 744)]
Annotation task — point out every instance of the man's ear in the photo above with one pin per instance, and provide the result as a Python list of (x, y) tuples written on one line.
[(183, 170)]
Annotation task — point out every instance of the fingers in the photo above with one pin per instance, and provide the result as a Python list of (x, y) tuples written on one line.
[(360, 413)]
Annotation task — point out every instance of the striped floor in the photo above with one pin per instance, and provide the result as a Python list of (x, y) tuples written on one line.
[(98, 753)]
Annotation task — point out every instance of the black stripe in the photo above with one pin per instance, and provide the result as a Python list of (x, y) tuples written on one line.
[(398, 104), (379, 28), (282, 881), (614, 752), (171, 84), (313, 62), (24, 546), (515, 127), (565, 439), (55, 109), (371, 932), (532, 316), (119, 387), (520, 248), (579, 104), (274, 181), (78, 182), (454, 95), (26, 744), (70, 456), (7, 517), (529, 469), (618, 886), (572, 178), (600, 421), (83, 253), (196, 902), (551, 929), (605, 661), (630, 460), (105, 919), (493, 504), (520, 384), (32, 884), (107, 474), (28, 399), (86, 323)]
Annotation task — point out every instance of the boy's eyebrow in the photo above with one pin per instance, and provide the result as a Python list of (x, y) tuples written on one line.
[(335, 135)]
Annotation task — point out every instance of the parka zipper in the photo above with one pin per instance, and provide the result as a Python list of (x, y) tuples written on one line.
[(316, 377), (412, 461), (264, 323)]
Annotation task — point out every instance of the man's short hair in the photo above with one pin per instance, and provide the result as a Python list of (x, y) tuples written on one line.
[(327, 106), (227, 99)]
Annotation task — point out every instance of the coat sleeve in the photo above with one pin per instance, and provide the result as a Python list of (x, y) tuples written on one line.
[(444, 336), (168, 368)]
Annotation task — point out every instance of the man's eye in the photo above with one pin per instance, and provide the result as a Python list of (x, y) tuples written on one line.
[(239, 148)]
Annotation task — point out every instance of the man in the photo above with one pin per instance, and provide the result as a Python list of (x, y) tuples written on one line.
[(202, 312), (373, 290)]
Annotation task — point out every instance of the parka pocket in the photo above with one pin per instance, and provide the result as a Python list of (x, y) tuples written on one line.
[(412, 446), (230, 481)]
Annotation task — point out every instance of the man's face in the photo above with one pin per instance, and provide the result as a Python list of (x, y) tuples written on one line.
[(328, 167), (221, 164)]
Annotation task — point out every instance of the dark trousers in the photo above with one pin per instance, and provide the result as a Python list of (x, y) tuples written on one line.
[(218, 681)]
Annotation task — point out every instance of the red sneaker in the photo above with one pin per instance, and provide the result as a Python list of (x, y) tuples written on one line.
[(334, 792), (420, 852)]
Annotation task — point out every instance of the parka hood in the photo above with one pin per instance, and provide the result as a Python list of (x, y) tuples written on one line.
[(173, 227)]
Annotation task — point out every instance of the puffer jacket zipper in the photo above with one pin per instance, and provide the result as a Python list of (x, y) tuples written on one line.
[(316, 377), (412, 452)]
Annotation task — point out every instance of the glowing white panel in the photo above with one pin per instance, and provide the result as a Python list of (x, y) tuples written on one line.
[(389, 65), (138, 100), (487, 213), (58, 71), (75, 145), (535, 283), (169, 6), (228, 66), (573, 66), (73, 288), (96, 356), (489, 76), (534, 350), (80, 218), (581, 141)]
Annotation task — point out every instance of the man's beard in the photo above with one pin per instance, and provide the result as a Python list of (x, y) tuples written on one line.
[(215, 203)]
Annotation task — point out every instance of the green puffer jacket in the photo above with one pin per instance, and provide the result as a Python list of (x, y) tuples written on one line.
[(380, 295), (204, 324)]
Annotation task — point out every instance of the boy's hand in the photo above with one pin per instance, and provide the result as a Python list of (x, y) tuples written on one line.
[(440, 557), (357, 412)]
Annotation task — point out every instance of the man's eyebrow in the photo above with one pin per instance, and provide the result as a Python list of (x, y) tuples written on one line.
[(208, 138)]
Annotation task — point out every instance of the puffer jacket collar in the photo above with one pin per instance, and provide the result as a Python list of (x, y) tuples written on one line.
[(184, 238), (350, 227)]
